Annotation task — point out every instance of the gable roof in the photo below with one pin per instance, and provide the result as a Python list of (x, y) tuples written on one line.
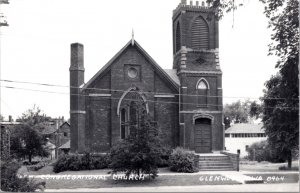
[(144, 53), (245, 128), (65, 123)]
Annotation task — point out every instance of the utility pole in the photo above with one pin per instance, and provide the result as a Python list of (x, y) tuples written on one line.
[(3, 23)]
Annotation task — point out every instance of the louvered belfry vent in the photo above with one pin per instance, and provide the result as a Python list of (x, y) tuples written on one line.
[(178, 37), (199, 34)]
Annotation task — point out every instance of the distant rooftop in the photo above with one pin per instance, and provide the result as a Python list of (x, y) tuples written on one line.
[(9, 123), (245, 128), (173, 74), (65, 146)]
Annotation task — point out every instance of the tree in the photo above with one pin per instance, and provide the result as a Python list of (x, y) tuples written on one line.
[(238, 112), (140, 152), (34, 116), (280, 118), (25, 141), (11, 182), (281, 97), (255, 110)]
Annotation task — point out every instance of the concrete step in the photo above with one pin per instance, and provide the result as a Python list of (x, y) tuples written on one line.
[(213, 158), (216, 161), (216, 169), (216, 164)]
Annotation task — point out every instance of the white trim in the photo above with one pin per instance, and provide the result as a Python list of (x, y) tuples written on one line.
[(99, 95), (78, 112), (205, 81), (164, 96), (202, 115), (200, 111), (126, 92), (199, 72), (81, 86)]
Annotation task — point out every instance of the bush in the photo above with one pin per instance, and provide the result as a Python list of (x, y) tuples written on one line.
[(101, 161), (183, 161), (10, 182), (76, 162), (37, 166), (262, 151), (286, 168), (165, 155)]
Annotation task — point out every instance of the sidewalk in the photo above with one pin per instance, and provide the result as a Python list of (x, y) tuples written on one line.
[(292, 187)]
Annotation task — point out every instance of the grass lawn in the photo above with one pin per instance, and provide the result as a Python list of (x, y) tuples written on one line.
[(182, 180), (264, 166), (276, 178)]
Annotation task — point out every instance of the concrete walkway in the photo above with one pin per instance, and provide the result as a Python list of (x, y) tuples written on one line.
[(292, 187)]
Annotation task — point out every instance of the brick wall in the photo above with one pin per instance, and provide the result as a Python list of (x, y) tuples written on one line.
[(102, 120)]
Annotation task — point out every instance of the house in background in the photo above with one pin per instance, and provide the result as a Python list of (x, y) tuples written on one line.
[(242, 135), (6, 127), (57, 133), (64, 149)]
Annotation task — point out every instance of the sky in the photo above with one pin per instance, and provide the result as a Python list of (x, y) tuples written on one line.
[(36, 46)]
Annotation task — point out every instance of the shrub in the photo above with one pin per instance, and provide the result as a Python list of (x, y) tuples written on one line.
[(76, 162), (37, 166), (286, 168), (62, 164), (139, 153), (165, 155), (183, 161), (10, 182), (101, 161), (262, 151)]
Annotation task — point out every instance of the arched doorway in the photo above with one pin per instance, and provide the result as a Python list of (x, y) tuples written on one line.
[(202, 135)]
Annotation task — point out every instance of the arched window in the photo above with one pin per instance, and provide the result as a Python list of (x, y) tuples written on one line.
[(124, 127), (200, 34), (129, 119), (178, 38), (202, 91)]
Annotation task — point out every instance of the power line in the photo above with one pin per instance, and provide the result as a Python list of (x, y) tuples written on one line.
[(166, 102), (150, 92)]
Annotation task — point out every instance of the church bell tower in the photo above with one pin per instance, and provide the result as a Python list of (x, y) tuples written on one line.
[(196, 59)]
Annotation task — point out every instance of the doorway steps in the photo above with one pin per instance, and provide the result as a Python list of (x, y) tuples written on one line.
[(215, 162)]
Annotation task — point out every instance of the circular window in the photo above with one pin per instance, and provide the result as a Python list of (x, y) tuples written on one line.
[(132, 73)]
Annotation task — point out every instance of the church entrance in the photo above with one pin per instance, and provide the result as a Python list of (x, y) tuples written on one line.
[(203, 135)]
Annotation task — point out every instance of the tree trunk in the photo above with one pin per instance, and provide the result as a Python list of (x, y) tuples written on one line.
[(289, 159), (29, 158)]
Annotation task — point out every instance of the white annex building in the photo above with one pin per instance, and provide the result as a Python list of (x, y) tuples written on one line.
[(242, 135)]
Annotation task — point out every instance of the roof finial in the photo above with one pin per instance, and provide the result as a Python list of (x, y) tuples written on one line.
[(132, 39)]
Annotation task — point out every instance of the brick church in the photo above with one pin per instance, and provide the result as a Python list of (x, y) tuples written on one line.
[(185, 101)]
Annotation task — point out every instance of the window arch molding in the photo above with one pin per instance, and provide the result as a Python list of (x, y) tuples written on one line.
[(205, 82), (130, 90), (206, 116)]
